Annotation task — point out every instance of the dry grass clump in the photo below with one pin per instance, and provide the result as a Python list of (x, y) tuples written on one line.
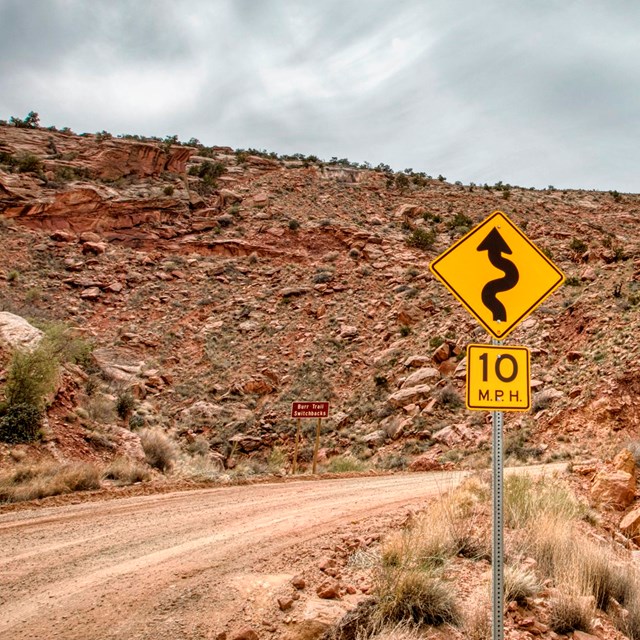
[(520, 584), (125, 471), (159, 449), (477, 624), (414, 595), (398, 632), (629, 624), (527, 499), (570, 612), (33, 481)]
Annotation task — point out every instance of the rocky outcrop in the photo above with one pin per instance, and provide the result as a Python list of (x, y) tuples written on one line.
[(17, 333)]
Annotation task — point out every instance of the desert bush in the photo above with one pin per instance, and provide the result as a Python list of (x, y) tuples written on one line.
[(392, 461), (448, 396), (100, 408), (32, 375), (31, 121), (630, 624), (519, 584), (411, 595), (20, 423), (345, 464), (570, 612), (277, 460), (159, 449), (577, 245), (28, 163), (528, 499), (125, 404), (126, 471), (421, 238), (459, 220), (31, 482), (199, 446), (477, 624)]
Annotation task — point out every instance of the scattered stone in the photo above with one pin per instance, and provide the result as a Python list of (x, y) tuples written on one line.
[(285, 603), (95, 248), (329, 590), (92, 293), (348, 332), (261, 200), (298, 582), (412, 395)]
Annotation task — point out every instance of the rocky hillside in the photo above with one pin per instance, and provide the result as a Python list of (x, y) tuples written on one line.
[(214, 287)]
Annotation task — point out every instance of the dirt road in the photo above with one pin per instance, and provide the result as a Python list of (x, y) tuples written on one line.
[(178, 565)]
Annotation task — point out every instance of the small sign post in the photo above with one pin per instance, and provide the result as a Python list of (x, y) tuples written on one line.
[(301, 410), (500, 277)]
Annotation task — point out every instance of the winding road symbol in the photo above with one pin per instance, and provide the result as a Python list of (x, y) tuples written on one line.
[(496, 245), (501, 287)]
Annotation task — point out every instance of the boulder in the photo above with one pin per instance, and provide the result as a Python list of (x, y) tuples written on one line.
[(624, 461), (442, 353), (412, 395), (348, 332), (261, 200), (614, 489), (426, 462), (420, 377), (415, 362), (375, 438), (229, 197), (630, 524), (17, 333)]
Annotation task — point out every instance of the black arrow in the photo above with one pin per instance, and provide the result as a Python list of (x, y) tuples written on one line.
[(495, 244)]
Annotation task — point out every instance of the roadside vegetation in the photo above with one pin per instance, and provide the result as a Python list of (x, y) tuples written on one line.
[(554, 554)]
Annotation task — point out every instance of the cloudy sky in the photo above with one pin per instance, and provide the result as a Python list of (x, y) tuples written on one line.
[(530, 92)]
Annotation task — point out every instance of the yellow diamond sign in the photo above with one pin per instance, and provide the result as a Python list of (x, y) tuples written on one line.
[(498, 274), (498, 378)]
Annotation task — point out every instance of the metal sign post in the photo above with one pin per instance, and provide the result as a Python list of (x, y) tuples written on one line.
[(497, 378), (497, 557)]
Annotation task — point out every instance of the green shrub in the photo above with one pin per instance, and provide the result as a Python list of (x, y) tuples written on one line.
[(125, 405), (28, 163), (31, 377), (20, 423), (578, 246), (459, 220), (168, 190), (421, 238), (345, 464)]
